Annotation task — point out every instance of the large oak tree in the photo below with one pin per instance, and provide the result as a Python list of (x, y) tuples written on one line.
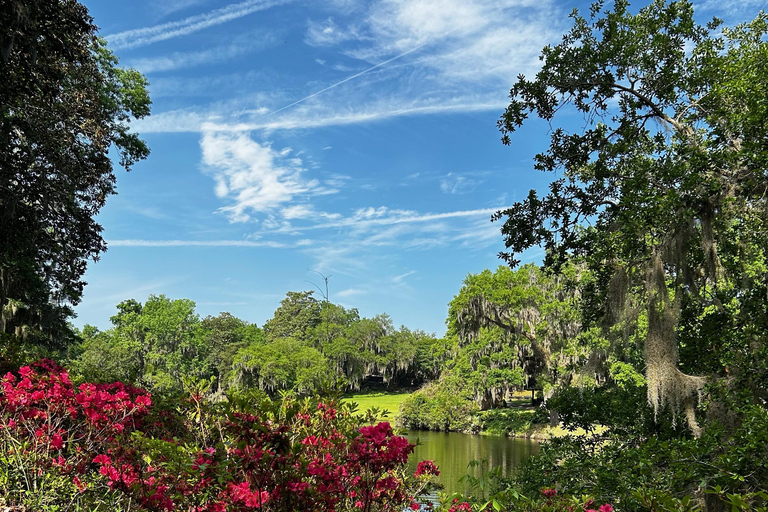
[(662, 188)]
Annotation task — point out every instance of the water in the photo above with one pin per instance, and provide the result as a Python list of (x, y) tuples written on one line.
[(452, 453)]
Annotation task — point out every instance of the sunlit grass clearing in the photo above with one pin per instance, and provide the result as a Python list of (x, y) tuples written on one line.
[(389, 401)]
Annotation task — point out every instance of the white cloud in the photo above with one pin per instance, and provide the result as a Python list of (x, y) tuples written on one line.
[(186, 26), (327, 33), (301, 211), (426, 57), (371, 212), (458, 184), (362, 244), (349, 78), (317, 115), (256, 178), (471, 40), (350, 292), (298, 211), (364, 219), (401, 24), (170, 6), (193, 243), (250, 174), (178, 60), (733, 7)]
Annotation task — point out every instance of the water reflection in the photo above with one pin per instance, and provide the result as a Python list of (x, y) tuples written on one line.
[(452, 452)]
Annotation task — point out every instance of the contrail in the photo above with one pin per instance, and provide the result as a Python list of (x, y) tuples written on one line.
[(348, 79)]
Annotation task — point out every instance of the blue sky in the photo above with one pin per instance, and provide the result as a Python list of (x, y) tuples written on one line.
[(353, 138)]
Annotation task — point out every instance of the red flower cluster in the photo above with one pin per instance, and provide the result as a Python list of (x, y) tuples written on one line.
[(293, 456), (42, 400), (464, 506), (426, 467)]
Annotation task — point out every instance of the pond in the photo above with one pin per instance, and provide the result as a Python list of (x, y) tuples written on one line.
[(452, 453)]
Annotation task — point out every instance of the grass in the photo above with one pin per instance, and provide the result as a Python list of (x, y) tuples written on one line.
[(383, 400)]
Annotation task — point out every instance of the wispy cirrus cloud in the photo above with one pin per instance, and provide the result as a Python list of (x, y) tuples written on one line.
[(458, 184), (399, 279), (474, 41), (170, 6), (195, 243), (733, 7), (423, 57), (241, 45), (317, 115), (357, 248), (327, 33), (350, 292), (149, 35), (364, 219)]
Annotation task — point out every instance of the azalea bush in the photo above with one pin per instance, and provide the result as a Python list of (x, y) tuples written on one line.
[(108, 447)]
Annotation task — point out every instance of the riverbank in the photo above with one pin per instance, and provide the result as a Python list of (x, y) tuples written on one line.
[(524, 423), (520, 421)]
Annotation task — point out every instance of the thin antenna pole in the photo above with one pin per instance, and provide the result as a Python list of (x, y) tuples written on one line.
[(325, 295)]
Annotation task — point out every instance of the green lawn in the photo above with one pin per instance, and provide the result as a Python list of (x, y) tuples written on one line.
[(382, 400)]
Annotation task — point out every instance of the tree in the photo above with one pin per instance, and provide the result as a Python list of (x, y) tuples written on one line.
[(153, 345), (663, 190), (331, 336), (518, 328), (298, 313), (220, 338), (285, 363), (64, 103)]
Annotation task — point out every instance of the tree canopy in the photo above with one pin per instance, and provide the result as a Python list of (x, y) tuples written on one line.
[(663, 191), (309, 346), (64, 103), (518, 329)]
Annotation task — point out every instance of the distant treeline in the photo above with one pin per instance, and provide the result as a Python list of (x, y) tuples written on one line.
[(308, 345)]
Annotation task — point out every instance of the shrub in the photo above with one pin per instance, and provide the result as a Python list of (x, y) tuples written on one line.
[(107, 447), (442, 405)]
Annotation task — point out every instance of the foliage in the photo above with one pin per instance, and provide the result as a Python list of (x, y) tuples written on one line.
[(107, 447), (631, 470), (668, 172), (297, 314), (151, 345), (623, 409), (64, 103), (507, 500), (285, 363), (659, 202), (223, 336), (445, 404), (717, 471), (50, 431), (511, 421), (517, 329), (156, 343)]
